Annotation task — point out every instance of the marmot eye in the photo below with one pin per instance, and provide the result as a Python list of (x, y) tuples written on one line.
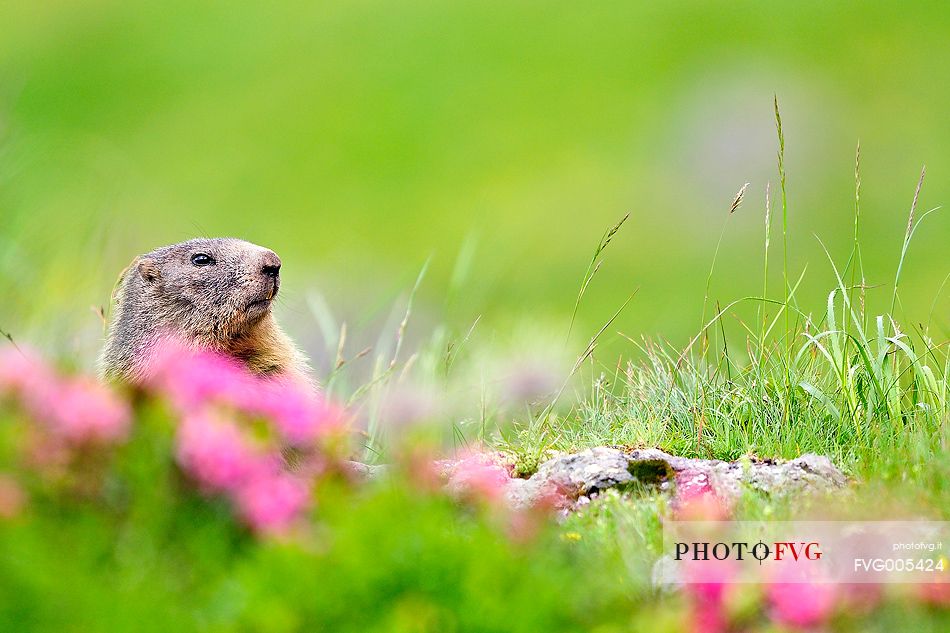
[(201, 259)]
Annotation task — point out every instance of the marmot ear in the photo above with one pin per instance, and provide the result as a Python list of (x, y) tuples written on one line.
[(149, 270)]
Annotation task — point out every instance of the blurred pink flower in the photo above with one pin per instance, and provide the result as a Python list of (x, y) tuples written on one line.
[(479, 475), (859, 597), (553, 497), (12, 497), (935, 593), (273, 502), (707, 615), (193, 377), (707, 585), (215, 452), (24, 374), (802, 605), (48, 454), (696, 500), (525, 523), (77, 409), (82, 410), (211, 448), (422, 468), (300, 414), (221, 459)]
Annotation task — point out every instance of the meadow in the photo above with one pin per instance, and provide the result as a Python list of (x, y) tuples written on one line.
[(508, 230), (171, 505), (360, 140)]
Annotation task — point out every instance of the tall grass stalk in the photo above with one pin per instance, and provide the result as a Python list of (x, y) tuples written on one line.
[(908, 233), (765, 258), (595, 263), (856, 262), (781, 173), (736, 203)]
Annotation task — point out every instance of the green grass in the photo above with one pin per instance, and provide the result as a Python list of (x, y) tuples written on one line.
[(764, 376), (139, 550), (843, 381), (491, 140), (839, 380)]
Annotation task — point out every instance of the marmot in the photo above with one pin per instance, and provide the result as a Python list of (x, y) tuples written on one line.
[(213, 293)]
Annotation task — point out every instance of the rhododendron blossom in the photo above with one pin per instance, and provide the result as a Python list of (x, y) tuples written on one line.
[(480, 475), (24, 374), (12, 497), (696, 500), (77, 410), (935, 593), (83, 410), (215, 453), (215, 449), (300, 414), (803, 605), (709, 582), (272, 503), (193, 378), (222, 459)]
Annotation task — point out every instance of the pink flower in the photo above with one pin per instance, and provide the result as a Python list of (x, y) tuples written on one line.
[(221, 459), (477, 474), (525, 523), (194, 377), (695, 498), (859, 597), (215, 453), (802, 605), (46, 453), (82, 410), (273, 502), (24, 374), (707, 616), (935, 593), (421, 468), (77, 410), (300, 414), (12, 497), (709, 582)]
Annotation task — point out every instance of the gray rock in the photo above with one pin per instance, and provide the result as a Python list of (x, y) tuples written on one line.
[(576, 477), (365, 472), (587, 472), (524, 493), (820, 466)]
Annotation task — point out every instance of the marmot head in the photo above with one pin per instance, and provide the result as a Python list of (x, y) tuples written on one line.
[(209, 292), (210, 287)]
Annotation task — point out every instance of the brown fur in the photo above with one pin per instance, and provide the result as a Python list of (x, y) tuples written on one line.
[(224, 306)]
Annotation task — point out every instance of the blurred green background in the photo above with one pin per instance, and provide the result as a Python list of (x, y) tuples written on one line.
[(359, 138)]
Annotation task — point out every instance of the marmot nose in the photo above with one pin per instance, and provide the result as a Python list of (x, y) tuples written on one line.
[(271, 267)]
